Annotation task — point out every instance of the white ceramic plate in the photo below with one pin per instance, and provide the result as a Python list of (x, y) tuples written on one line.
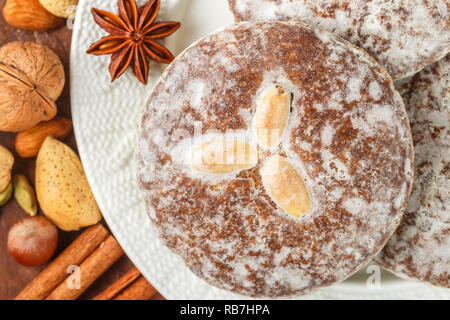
[(105, 118)]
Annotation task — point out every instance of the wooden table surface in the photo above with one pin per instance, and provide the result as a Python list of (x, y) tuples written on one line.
[(13, 276)]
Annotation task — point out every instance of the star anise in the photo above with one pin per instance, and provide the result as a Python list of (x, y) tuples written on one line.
[(132, 36)]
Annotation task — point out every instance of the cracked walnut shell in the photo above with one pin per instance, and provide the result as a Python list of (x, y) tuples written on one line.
[(31, 79)]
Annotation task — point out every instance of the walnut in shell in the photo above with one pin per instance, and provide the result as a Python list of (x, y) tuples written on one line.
[(31, 79)]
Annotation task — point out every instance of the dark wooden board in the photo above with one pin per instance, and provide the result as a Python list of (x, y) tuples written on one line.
[(14, 277)]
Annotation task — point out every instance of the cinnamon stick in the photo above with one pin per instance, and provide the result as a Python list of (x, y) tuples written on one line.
[(141, 289), (56, 272), (89, 271), (119, 285)]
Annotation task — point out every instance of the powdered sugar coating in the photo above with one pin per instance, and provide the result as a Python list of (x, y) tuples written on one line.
[(403, 35), (226, 227), (420, 248)]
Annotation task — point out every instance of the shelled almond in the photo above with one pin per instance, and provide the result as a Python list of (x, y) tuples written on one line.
[(30, 141), (30, 15)]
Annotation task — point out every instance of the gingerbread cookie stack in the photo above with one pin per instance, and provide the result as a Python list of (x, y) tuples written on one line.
[(404, 36), (420, 248)]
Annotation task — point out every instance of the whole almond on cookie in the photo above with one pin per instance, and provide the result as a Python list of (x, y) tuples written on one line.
[(30, 15), (271, 117), (224, 156), (30, 141), (285, 185)]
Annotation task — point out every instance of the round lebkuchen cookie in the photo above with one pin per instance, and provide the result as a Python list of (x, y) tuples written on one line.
[(420, 248), (275, 158), (403, 35)]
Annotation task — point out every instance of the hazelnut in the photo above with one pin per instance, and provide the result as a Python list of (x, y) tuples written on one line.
[(32, 241), (6, 194)]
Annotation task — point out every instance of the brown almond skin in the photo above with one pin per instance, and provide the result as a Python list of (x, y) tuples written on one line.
[(30, 141), (30, 15)]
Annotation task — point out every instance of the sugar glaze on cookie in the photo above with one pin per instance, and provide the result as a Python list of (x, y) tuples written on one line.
[(347, 137)]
